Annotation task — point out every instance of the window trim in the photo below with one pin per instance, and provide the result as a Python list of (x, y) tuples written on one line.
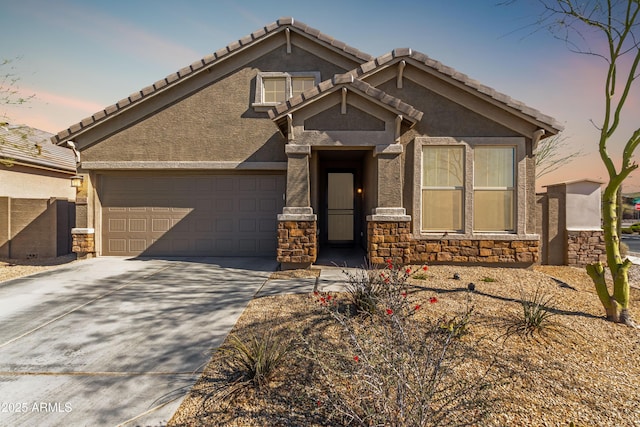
[(511, 189), (460, 188), (258, 101)]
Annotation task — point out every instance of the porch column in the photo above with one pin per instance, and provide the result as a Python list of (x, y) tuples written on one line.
[(389, 226), (297, 224), (83, 234)]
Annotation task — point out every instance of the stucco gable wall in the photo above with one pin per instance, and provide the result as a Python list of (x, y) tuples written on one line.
[(442, 117), (214, 121), (445, 118)]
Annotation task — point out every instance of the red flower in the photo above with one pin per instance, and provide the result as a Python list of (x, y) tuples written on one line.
[(386, 280), (404, 294), (417, 307), (356, 358), (316, 293), (433, 300), (408, 271), (389, 311), (425, 268), (328, 297), (319, 403)]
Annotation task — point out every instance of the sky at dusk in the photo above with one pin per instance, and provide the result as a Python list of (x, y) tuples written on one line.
[(77, 57)]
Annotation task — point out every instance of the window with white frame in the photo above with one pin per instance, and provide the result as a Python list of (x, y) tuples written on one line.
[(494, 189), (275, 87), (443, 188)]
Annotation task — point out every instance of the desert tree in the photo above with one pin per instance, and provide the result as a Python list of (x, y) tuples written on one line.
[(10, 95), (553, 153), (9, 90), (606, 30)]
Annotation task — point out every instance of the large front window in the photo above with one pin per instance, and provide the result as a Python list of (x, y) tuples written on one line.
[(442, 188), (494, 184)]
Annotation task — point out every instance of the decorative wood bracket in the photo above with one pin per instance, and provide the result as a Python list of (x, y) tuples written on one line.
[(290, 126), (401, 66), (343, 108), (287, 34), (398, 126)]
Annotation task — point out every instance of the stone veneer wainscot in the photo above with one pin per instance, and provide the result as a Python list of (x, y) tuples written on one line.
[(393, 240)]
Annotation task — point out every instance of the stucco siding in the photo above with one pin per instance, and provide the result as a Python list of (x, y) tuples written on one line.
[(23, 182), (215, 122), (442, 117)]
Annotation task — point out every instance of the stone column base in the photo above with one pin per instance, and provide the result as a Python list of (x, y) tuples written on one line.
[(297, 244), (83, 242), (389, 240), (585, 247)]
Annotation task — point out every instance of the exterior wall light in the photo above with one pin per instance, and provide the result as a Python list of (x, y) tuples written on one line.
[(76, 181)]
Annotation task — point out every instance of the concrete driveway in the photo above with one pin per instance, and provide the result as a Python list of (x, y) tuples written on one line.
[(116, 341)]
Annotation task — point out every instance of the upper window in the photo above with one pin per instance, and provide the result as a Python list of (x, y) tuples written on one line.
[(275, 87), (442, 188), (494, 189)]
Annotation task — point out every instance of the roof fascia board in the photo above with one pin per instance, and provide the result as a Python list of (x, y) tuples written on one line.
[(14, 162)]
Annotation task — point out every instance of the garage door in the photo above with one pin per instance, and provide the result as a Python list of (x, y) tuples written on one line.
[(198, 215)]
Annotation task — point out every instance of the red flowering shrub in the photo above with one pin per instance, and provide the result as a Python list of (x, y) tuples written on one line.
[(393, 368)]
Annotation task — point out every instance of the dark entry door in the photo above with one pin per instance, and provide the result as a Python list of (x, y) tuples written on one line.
[(340, 207)]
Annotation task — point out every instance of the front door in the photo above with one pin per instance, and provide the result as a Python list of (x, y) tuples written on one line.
[(340, 208)]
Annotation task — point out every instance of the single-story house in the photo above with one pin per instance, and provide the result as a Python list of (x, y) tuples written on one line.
[(32, 167), (288, 142), (36, 197)]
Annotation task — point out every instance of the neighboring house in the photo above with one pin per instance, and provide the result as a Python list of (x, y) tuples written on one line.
[(32, 167), (288, 142), (36, 197)]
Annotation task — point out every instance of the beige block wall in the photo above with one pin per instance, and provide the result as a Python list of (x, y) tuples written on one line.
[(29, 228), (25, 182)]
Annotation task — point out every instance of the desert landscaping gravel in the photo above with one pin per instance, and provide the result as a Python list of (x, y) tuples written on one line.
[(585, 370)]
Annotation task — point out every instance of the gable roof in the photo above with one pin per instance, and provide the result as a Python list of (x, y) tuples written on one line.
[(209, 61), (459, 79), (280, 111), (32, 147)]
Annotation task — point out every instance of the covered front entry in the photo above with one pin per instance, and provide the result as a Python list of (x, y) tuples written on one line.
[(190, 214), (341, 197)]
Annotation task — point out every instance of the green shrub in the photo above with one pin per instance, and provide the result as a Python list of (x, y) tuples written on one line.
[(536, 315), (256, 360)]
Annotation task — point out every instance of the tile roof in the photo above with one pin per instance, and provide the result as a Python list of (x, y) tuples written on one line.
[(33, 146), (344, 80), (208, 61), (397, 55)]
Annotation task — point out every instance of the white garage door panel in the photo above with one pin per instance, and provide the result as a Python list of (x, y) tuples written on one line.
[(217, 215)]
